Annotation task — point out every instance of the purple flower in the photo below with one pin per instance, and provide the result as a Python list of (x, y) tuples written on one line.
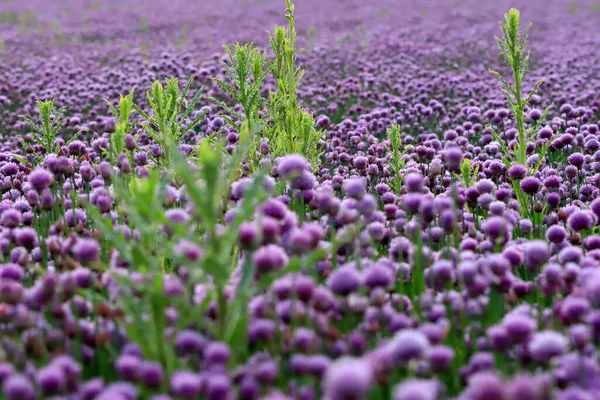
[(18, 387), (186, 385), (348, 378), (86, 251), (269, 258), (580, 220), (41, 179), (344, 280), (417, 389), (291, 166), (547, 344)]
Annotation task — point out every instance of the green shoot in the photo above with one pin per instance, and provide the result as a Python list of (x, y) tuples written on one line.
[(167, 124), (292, 129), (247, 71), (51, 122), (513, 47), (468, 175), (117, 139), (397, 161)]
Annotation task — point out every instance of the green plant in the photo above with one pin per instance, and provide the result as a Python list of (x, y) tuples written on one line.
[(293, 128), (288, 127), (246, 71), (51, 123), (167, 123), (122, 115), (398, 162), (513, 48), (468, 175)]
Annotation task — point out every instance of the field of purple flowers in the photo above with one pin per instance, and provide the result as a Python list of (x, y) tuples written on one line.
[(337, 200)]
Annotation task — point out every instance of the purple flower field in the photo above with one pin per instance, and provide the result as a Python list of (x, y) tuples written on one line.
[(337, 200)]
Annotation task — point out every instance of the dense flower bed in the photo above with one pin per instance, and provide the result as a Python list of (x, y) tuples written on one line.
[(407, 253)]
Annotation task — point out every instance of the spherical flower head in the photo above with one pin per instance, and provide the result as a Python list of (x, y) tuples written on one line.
[(576, 159), (348, 378), (360, 162), (291, 166), (417, 389), (216, 353), (518, 326), (407, 345), (151, 374), (494, 227), (127, 367), (270, 258), (249, 235), (440, 358), (11, 218), (536, 253), (414, 182), (186, 385), (517, 172), (452, 157), (556, 234), (189, 342), (86, 251), (344, 280), (378, 276), (41, 179), (531, 185), (18, 387), (355, 188), (484, 386), (580, 220), (89, 390), (570, 254), (26, 237), (595, 207), (546, 345), (177, 216), (306, 181), (51, 380)]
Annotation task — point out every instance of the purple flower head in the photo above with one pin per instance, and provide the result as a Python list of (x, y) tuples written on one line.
[(580, 220), (484, 386), (348, 378), (536, 254), (41, 179), (269, 258), (18, 387), (517, 172), (417, 389), (408, 345), (530, 185), (292, 166), (186, 385), (546, 345), (86, 251), (355, 188), (345, 280), (51, 380)]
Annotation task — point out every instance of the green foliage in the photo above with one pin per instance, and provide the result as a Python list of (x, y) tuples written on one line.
[(292, 129), (513, 49), (122, 115), (166, 125), (51, 123), (573, 7), (468, 175), (397, 161), (246, 71), (288, 127)]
